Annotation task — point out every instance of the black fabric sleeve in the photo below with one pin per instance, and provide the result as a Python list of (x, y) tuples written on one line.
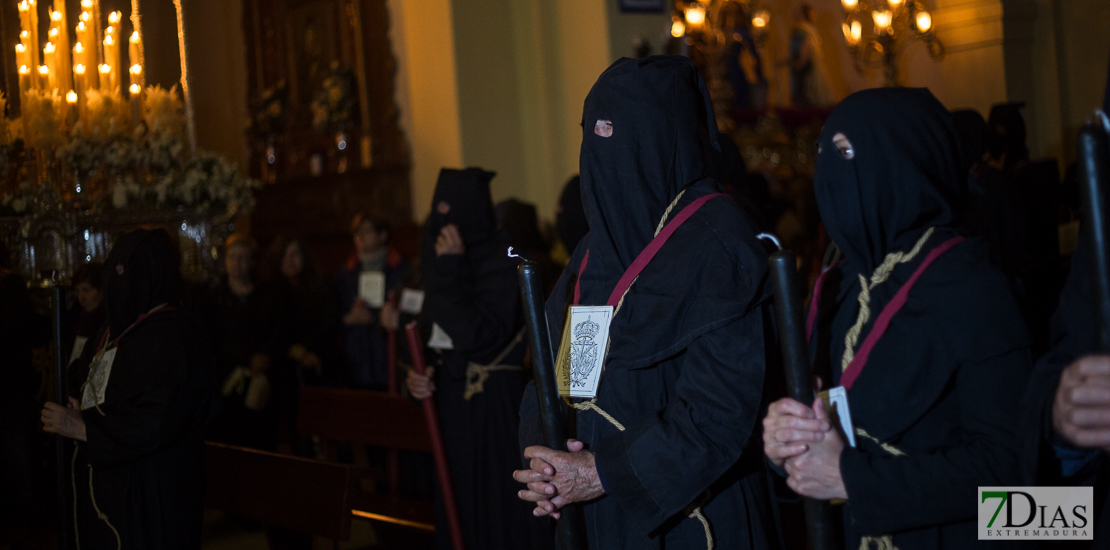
[(660, 465), (928, 489), (155, 401)]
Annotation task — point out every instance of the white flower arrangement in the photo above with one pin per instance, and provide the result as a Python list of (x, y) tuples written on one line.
[(144, 168)]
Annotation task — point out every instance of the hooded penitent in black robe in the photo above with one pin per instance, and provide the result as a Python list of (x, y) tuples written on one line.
[(941, 385), (473, 298), (143, 463), (686, 362)]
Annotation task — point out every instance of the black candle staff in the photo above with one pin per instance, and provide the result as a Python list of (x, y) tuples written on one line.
[(799, 381), (571, 525), (1094, 169)]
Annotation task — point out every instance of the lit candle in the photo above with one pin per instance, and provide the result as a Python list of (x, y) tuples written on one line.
[(134, 54), (44, 77), (71, 100), (64, 61), (136, 104), (111, 59), (49, 57), (33, 44), (105, 72), (24, 79), (79, 85)]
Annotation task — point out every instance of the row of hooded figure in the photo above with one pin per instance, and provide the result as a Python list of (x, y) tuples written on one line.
[(681, 435)]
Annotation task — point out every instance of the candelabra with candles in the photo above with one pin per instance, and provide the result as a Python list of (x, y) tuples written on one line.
[(894, 25), (710, 29)]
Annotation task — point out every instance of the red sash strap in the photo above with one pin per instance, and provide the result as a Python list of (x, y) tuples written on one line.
[(647, 253), (883, 322), (142, 317), (818, 285)]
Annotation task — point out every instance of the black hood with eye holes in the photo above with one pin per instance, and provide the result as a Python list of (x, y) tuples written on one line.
[(905, 176), (712, 269)]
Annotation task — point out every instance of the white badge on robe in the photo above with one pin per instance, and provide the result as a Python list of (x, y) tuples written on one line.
[(440, 339), (583, 350), (412, 301), (838, 398), (78, 347), (99, 372), (371, 288)]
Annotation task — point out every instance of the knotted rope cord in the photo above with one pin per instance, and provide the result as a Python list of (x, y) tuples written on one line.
[(476, 375), (592, 403), (881, 274)]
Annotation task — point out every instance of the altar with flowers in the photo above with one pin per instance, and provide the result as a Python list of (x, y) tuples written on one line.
[(89, 156)]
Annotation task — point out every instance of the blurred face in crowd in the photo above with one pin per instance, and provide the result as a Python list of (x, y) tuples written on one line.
[(88, 296), (293, 261), (239, 260), (369, 240)]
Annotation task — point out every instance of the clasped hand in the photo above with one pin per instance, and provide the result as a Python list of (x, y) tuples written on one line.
[(1081, 410), (803, 441), (64, 421), (556, 478)]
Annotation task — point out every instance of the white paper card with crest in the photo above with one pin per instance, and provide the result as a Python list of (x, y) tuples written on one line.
[(371, 288), (582, 351)]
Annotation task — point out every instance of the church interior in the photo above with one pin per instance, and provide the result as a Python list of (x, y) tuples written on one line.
[(271, 125)]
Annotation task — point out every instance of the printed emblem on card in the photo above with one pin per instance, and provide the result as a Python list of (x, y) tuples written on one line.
[(582, 351)]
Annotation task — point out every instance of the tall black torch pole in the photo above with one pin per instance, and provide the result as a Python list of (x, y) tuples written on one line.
[(799, 381), (1094, 166), (571, 525), (61, 474)]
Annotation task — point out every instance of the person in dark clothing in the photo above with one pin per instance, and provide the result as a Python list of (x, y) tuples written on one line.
[(1015, 209), (570, 219), (472, 312), (971, 131), (664, 456), (139, 464), (87, 322), (372, 274), (244, 329), (307, 305), (21, 331), (1067, 403), (930, 329)]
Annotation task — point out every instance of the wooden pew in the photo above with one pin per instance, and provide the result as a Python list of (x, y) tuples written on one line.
[(381, 419), (305, 495)]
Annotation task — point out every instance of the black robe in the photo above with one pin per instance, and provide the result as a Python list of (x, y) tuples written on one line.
[(941, 385), (1074, 335), (685, 369), (474, 299), (142, 466)]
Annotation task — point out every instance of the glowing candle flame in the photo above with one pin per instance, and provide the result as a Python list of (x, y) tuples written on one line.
[(894, 3), (924, 21), (678, 28), (79, 69), (87, 4), (49, 48), (81, 26), (105, 68), (20, 48), (23, 69), (761, 18), (53, 32), (44, 70), (136, 69), (695, 15), (25, 34), (85, 16), (71, 97), (109, 29), (135, 37), (882, 19), (108, 40), (78, 48), (113, 17), (23, 6), (135, 89), (850, 4)]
